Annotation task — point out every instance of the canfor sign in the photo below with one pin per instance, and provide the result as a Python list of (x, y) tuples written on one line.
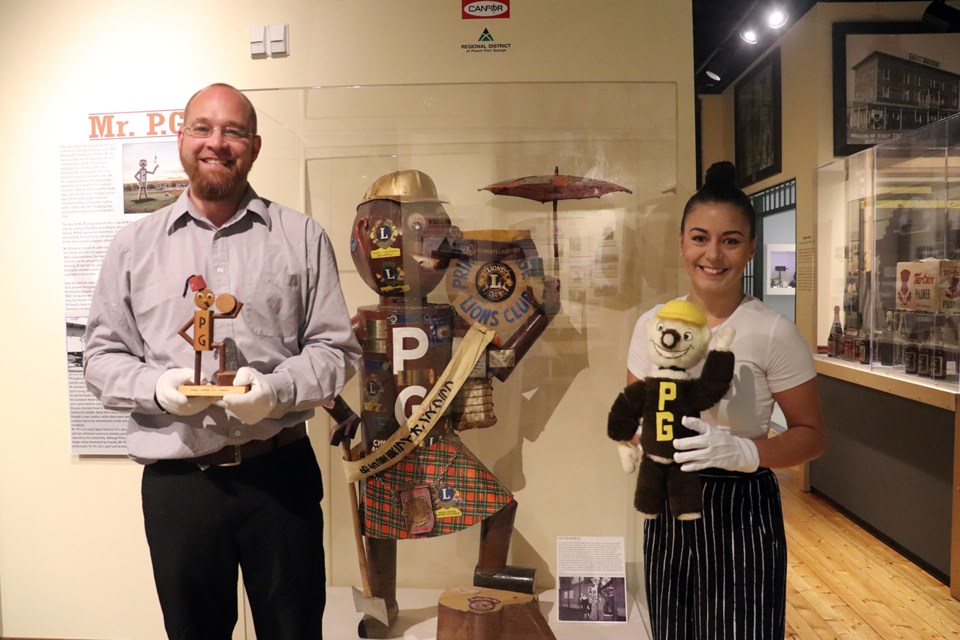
[(474, 9)]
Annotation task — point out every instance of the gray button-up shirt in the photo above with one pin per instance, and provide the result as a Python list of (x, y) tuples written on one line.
[(294, 325)]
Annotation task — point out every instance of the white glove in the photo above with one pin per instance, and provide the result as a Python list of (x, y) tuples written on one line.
[(714, 448), (629, 456), (172, 401), (254, 405)]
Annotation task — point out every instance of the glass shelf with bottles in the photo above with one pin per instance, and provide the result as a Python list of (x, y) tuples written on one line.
[(911, 343), (888, 256)]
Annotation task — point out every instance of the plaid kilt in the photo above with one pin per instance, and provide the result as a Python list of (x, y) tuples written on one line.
[(445, 464)]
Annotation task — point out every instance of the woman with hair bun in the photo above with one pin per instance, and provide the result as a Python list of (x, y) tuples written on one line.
[(724, 575)]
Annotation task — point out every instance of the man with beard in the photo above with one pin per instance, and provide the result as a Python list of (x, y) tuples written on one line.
[(228, 481)]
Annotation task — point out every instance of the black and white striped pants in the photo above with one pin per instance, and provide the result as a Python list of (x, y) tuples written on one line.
[(724, 575)]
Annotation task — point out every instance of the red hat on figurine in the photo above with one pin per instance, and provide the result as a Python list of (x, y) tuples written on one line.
[(194, 283)]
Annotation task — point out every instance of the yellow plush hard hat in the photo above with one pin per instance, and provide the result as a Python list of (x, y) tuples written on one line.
[(683, 310), (407, 185)]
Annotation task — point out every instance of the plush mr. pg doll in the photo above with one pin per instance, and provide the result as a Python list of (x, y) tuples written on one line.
[(677, 339)]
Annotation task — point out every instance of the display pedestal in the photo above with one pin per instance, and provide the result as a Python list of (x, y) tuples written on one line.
[(418, 618), (476, 613)]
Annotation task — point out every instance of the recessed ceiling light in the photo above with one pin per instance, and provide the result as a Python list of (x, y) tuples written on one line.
[(776, 18), (713, 76), (749, 35)]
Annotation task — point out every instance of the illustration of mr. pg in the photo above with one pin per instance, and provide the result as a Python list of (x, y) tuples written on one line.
[(141, 177), (426, 375)]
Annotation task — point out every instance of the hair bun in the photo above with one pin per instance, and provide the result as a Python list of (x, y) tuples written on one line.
[(721, 173)]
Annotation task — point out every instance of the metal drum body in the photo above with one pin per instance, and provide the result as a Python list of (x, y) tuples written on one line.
[(405, 349)]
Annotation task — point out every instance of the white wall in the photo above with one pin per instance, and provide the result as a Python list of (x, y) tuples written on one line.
[(73, 561)]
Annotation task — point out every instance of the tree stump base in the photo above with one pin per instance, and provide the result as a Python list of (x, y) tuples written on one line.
[(476, 613)]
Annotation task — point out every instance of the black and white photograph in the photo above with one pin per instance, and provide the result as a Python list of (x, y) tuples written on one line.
[(75, 330), (890, 78), (592, 599)]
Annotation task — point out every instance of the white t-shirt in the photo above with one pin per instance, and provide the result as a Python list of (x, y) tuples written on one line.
[(771, 356)]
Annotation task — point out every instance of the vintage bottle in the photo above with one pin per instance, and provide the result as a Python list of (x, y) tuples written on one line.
[(951, 350), (938, 356), (900, 339), (863, 346), (843, 340), (849, 347), (886, 341), (835, 339), (910, 352), (924, 351)]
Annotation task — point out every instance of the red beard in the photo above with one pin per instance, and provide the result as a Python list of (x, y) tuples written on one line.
[(215, 187)]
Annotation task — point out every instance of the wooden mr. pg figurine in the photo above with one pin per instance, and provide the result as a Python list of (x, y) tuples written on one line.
[(203, 337)]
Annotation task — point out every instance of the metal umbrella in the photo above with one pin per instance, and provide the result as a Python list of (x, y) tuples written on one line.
[(551, 188)]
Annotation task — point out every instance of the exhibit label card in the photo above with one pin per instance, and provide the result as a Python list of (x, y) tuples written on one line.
[(591, 579)]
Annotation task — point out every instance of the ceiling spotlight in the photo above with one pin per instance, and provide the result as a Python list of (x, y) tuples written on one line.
[(941, 17), (713, 76), (749, 35), (776, 18)]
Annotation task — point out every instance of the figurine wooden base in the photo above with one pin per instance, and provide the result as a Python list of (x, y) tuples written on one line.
[(476, 613), (209, 390)]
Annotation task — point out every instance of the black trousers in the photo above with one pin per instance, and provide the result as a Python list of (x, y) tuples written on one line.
[(263, 517), (724, 575)]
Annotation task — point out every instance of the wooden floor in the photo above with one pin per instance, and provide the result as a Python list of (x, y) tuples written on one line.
[(845, 583)]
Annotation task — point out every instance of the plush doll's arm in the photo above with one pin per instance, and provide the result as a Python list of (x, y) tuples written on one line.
[(629, 456), (724, 339), (715, 379), (626, 412)]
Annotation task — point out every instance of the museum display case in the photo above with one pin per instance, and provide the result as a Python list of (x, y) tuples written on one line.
[(889, 267), (888, 233), (546, 212)]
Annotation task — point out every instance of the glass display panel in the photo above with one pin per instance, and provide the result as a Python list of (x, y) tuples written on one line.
[(546, 212), (893, 267)]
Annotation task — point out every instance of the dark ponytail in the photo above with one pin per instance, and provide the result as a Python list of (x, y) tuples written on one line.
[(720, 187)]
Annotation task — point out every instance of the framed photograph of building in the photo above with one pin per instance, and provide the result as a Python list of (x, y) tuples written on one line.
[(890, 78), (756, 106)]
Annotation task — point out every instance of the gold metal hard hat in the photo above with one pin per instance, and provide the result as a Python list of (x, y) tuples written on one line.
[(408, 185), (684, 311)]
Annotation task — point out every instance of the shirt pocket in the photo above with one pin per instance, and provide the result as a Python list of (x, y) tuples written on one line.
[(159, 313), (158, 298), (273, 305)]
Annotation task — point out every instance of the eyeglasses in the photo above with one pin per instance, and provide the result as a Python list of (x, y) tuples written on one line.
[(205, 131)]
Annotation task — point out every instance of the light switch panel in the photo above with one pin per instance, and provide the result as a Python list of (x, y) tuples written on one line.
[(277, 35), (258, 44)]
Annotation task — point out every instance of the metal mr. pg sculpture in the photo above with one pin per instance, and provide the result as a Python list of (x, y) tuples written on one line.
[(426, 375)]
